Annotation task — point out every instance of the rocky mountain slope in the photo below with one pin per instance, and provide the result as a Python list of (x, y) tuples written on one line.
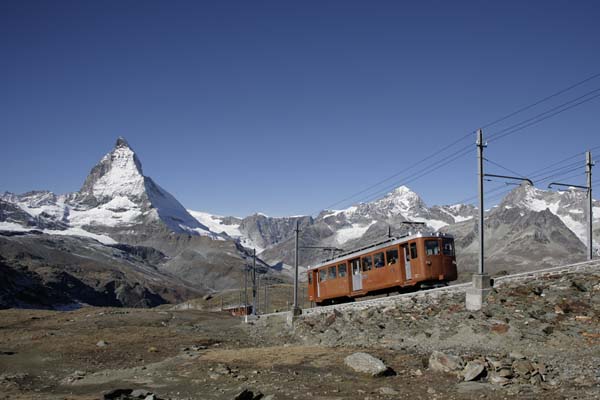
[(529, 228), (119, 205)]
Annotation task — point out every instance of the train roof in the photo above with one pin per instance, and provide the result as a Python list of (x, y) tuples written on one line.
[(379, 245)]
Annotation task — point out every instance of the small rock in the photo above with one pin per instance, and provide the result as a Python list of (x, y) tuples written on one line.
[(523, 368), (101, 343), (366, 363), (140, 393), (499, 380), (473, 370), (535, 380), (431, 390), (439, 361), (152, 349), (387, 391), (516, 355), (548, 329), (223, 369)]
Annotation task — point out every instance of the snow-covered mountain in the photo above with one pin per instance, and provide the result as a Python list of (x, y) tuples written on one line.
[(340, 227), (529, 229), (120, 207), (570, 206), (533, 221), (115, 197)]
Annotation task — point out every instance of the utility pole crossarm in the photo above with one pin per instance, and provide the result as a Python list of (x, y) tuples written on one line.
[(510, 177)]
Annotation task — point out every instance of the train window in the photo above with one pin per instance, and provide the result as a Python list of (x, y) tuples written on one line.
[(342, 270), (367, 263), (432, 247), (355, 264), (310, 278), (448, 247), (332, 273), (413, 250), (322, 275), (391, 256), (378, 260)]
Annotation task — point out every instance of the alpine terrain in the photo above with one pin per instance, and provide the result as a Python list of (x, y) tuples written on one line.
[(124, 240), (121, 234)]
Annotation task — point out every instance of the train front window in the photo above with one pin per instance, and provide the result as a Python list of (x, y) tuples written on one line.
[(322, 275), (342, 270), (367, 263), (432, 247), (448, 247), (378, 259), (413, 250), (332, 273), (391, 256)]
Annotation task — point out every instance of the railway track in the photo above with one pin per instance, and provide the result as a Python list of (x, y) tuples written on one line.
[(395, 299)]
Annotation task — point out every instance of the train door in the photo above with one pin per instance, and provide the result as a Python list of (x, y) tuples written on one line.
[(407, 266), (356, 275), (318, 283)]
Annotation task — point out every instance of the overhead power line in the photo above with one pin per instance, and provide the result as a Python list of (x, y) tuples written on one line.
[(556, 170), (554, 176), (542, 116), (440, 163), (529, 106), (504, 168), (496, 136)]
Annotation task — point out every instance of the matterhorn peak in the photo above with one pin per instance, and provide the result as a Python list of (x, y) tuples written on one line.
[(122, 142), (119, 173)]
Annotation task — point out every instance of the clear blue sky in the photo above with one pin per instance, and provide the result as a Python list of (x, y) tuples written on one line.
[(287, 107)]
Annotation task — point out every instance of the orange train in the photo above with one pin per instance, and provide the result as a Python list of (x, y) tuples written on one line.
[(393, 265)]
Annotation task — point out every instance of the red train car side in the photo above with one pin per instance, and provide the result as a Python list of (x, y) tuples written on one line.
[(394, 264)]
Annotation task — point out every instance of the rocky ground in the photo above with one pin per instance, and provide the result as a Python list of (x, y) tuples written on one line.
[(535, 338)]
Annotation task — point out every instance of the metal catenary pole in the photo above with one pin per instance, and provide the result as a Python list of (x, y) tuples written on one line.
[(266, 299), (246, 287), (254, 282), (588, 170), (296, 309), (589, 206), (480, 146), (258, 294)]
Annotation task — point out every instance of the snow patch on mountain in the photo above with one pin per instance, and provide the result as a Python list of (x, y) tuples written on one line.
[(350, 233), (215, 223), (13, 227)]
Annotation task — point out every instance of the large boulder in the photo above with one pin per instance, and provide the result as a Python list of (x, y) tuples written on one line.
[(366, 363)]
